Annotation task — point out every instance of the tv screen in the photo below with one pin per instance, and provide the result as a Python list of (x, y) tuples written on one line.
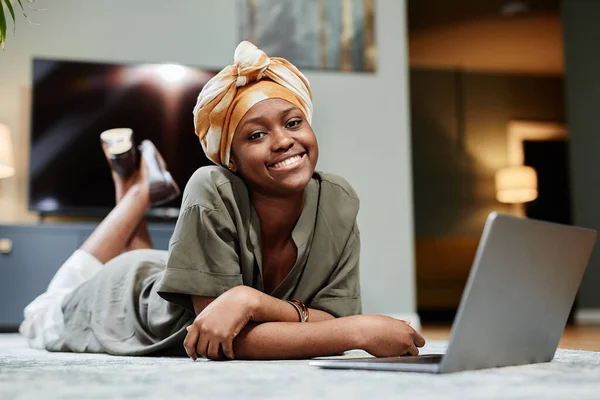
[(73, 102)]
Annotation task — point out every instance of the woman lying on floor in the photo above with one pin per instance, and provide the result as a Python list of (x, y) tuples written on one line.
[(263, 262)]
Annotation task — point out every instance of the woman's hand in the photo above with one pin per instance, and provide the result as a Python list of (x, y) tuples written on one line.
[(384, 336), (212, 332)]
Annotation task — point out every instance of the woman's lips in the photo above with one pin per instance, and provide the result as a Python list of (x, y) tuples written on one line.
[(289, 163)]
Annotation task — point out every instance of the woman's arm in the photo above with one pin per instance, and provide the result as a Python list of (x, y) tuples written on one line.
[(261, 306), (223, 329), (289, 340), (279, 340), (379, 335), (219, 320)]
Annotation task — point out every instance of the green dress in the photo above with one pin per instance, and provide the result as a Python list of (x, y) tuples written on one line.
[(140, 302)]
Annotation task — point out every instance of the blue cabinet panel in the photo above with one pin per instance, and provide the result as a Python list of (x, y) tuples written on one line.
[(37, 253), (27, 270)]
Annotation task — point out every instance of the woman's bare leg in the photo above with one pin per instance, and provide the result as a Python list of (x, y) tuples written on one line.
[(141, 238), (122, 185), (114, 233)]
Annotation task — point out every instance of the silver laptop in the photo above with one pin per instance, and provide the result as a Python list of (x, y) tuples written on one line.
[(516, 302)]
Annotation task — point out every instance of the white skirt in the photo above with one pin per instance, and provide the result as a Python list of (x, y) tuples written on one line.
[(43, 316)]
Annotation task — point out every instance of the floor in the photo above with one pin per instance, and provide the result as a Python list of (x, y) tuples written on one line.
[(586, 337), (35, 374)]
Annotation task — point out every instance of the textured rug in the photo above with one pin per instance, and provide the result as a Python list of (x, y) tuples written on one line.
[(35, 374)]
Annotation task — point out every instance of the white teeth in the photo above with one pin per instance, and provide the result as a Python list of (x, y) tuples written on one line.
[(287, 161)]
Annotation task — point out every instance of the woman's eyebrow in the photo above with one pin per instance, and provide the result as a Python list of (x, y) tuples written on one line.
[(288, 110), (261, 118), (256, 119)]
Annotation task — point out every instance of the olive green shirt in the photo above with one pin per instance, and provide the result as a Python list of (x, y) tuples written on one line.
[(140, 302)]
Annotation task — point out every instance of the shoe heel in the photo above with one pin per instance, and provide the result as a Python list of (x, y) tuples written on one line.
[(163, 187), (120, 151)]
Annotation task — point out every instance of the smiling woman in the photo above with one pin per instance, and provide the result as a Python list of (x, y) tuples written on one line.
[(275, 149), (264, 259)]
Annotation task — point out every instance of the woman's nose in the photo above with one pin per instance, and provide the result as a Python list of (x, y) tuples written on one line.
[(282, 140)]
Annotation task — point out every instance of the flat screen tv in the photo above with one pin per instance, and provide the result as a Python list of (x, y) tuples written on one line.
[(73, 102)]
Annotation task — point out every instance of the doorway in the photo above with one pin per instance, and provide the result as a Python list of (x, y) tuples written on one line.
[(550, 159)]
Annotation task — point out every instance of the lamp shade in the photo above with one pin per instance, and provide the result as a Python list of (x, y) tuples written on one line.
[(516, 185), (7, 163)]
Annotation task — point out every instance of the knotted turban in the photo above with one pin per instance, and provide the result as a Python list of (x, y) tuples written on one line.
[(226, 98)]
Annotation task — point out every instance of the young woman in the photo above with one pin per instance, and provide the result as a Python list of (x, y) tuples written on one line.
[(263, 262)]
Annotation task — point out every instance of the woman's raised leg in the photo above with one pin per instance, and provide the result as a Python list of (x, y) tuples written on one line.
[(116, 231), (141, 238)]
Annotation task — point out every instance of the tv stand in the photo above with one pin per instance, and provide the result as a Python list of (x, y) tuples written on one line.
[(30, 255)]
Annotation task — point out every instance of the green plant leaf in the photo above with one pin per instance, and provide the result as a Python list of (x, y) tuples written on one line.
[(2, 24), (12, 14), (22, 8), (3, 21)]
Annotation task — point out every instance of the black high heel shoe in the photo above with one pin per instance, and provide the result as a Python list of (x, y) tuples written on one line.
[(120, 151), (163, 187)]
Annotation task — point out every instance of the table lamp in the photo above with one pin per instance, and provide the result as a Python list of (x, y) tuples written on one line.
[(7, 163), (515, 185)]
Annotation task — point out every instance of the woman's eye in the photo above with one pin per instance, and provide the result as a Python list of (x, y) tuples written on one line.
[(294, 123), (256, 135)]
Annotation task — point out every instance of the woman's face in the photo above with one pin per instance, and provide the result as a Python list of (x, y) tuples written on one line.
[(274, 148)]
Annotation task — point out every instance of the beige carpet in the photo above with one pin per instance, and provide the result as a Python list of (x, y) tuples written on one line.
[(34, 374)]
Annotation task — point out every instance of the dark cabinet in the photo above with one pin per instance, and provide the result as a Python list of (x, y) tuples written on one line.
[(31, 254)]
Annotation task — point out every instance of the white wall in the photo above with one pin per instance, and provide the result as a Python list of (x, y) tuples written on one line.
[(361, 119)]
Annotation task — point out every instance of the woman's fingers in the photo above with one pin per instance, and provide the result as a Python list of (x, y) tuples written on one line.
[(190, 342), (213, 350), (228, 349), (418, 339), (412, 350), (202, 346)]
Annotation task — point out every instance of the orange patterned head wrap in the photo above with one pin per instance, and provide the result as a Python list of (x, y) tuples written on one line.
[(226, 98)]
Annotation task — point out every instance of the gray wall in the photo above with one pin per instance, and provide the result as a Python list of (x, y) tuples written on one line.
[(361, 120), (459, 140), (582, 56)]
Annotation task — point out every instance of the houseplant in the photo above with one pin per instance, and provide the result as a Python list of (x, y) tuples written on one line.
[(7, 9)]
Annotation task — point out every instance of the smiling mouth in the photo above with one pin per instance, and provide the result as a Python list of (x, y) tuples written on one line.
[(289, 162)]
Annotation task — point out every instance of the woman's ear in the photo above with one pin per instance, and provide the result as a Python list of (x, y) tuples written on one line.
[(232, 165)]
